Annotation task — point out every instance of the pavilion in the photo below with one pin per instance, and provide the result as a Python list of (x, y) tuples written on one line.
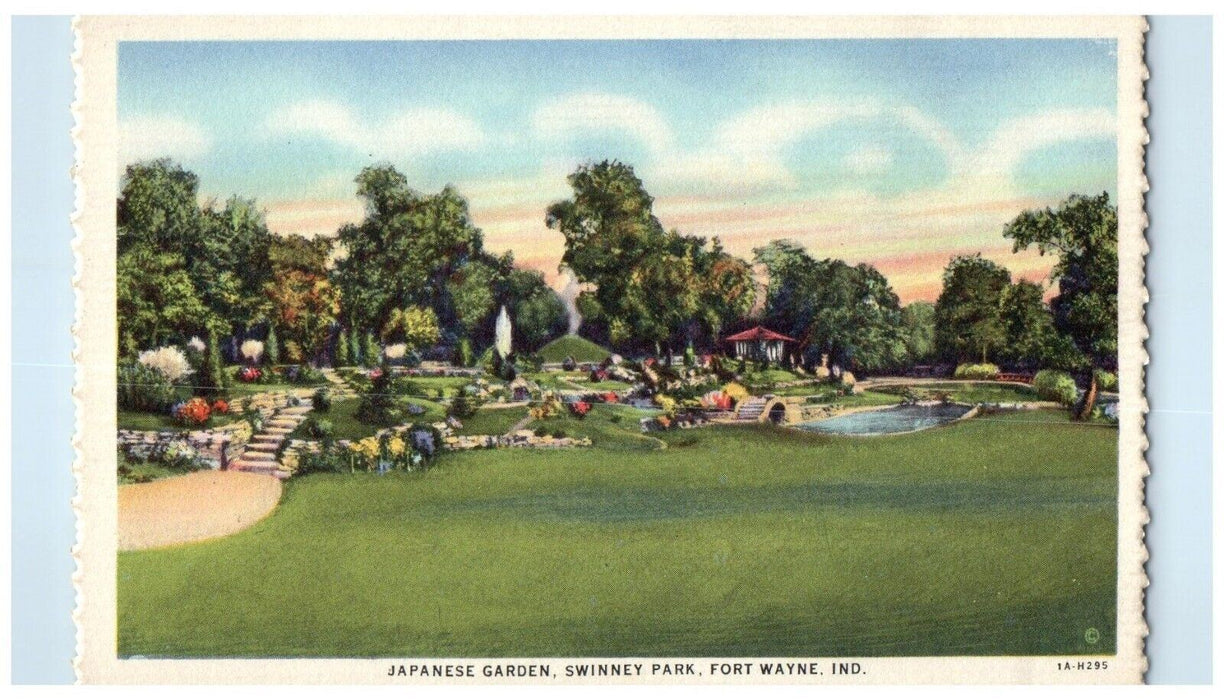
[(760, 343)]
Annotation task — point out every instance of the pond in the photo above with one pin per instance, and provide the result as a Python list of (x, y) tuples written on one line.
[(900, 419)]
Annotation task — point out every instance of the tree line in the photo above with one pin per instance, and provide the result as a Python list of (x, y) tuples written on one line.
[(415, 271)]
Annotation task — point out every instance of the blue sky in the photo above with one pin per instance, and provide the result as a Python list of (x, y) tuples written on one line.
[(853, 147)]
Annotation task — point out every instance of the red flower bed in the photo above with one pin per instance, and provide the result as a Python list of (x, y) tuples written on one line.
[(194, 412), (580, 408), (250, 374), (611, 397), (220, 406)]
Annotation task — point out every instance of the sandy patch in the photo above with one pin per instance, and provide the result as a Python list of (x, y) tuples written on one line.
[(193, 507)]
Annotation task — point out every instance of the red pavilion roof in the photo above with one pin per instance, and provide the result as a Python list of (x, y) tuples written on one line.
[(759, 333)]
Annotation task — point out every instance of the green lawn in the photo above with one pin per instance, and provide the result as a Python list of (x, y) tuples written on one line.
[(577, 347), (862, 398), (429, 386), (556, 380), (141, 420), (970, 392), (343, 417), (988, 536), (492, 421)]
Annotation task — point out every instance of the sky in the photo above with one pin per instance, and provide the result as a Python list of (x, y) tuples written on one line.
[(899, 153)]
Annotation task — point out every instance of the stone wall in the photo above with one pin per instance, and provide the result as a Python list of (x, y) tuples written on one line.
[(207, 444)]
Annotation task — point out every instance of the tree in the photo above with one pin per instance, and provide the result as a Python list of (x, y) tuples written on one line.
[(304, 307), (1027, 324), (918, 326), (211, 379), (344, 357), (1083, 232), (539, 316), (414, 326), (371, 353), (647, 286), (849, 313), (405, 252), (728, 289), (223, 252), (968, 325), (272, 347), (155, 301)]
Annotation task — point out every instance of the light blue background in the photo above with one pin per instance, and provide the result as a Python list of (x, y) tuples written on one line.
[(1179, 379)]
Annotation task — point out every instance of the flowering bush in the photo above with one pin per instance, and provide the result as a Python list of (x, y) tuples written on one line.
[(547, 408), (168, 360), (196, 344), (580, 408), (250, 374), (395, 352), (666, 403), (719, 400), (599, 375), (251, 350), (610, 397), (736, 391), (220, 406), (195, 411)]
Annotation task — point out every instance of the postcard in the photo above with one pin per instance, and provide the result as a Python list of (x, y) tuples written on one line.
[(610, 350)]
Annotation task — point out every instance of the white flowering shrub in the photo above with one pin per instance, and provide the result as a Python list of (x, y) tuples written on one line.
[(168, 360), (252, 350), (395, 352), (196, 344)]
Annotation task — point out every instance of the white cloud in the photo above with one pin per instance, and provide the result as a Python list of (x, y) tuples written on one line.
[(1019, 137), (413, 132), (155, 136), (566, 118), (748, 150), (868, 160)]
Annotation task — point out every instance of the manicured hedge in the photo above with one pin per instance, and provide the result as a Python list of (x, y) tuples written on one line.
[(982, 371)]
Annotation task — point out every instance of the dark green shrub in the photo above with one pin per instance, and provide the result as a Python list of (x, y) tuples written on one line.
[(321, 400), (320, 428), (377, 406), (464, 357), (462, 407), (142, 388), (1053, 385)]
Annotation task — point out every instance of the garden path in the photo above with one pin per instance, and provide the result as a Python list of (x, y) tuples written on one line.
[(260, 455), (193, 507)]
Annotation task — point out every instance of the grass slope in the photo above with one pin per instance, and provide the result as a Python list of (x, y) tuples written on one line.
[(577, 347), (989, 536)]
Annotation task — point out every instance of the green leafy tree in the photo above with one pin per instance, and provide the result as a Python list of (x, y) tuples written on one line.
[(156, 301), (647, 287), (405, 252), (539, 316), (849, 313), (272, 347), (1027, 323), (344, 357), (414, 326), (968, 323), (1083, 233), (371, 353), (918, 326), (211, 380)]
